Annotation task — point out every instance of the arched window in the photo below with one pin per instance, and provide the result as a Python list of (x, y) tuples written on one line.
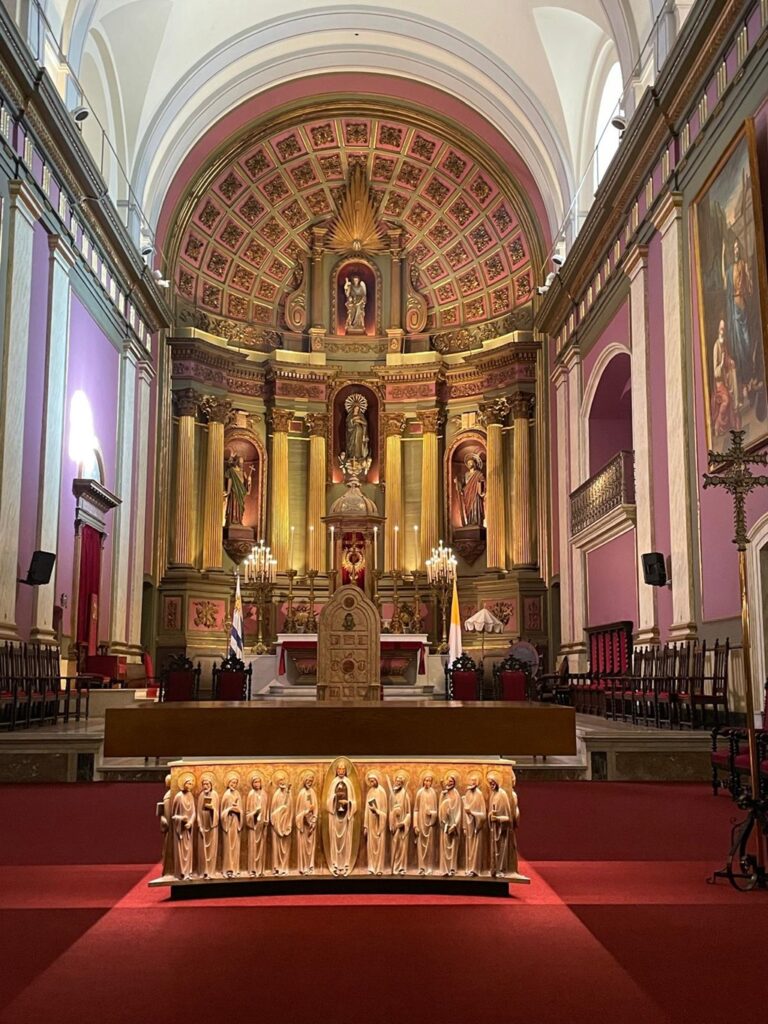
[(606, 136)]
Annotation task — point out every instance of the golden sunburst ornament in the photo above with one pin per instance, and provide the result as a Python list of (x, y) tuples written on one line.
[(355, 227)]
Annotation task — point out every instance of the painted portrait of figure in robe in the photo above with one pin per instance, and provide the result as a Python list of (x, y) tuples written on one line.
[(729, 263)]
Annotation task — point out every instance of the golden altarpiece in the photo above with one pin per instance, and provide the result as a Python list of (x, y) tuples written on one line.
[(353, 301)]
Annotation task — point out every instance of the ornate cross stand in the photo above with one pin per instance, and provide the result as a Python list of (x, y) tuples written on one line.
[(731, 470)]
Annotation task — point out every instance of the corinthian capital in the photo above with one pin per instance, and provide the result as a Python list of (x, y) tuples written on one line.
[(317, 424), (186, 402), (522, 405), (215, 409), (394, 424), (281, 420), (430, 419)]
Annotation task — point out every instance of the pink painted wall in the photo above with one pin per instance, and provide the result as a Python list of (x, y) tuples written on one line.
[(616, 332), (554, 515), (612, 581), (33, 424), (610, 415), (658, 425), (93, 367), (719, 568)]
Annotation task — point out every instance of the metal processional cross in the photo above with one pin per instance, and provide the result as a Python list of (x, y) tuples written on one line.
[(731, 470)]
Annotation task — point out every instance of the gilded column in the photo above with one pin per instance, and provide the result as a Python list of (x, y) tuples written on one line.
[(429, 522), (23, 212), (280, 516), (317, 424), (394, 423), (679, 443), (522, 547), (184, 513), (61, 259), (215, 410), (495, 512)]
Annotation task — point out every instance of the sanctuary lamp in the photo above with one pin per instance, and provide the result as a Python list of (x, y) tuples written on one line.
[(441, 572)]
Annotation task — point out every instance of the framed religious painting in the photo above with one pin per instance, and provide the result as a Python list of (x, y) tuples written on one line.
[(730, 267)]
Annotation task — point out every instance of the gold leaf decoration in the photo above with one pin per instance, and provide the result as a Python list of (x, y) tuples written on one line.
[(355, 226)]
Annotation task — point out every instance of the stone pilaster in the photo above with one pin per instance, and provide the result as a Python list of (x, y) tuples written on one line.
[(61, 259), (215, 410), (280, 515), (668, 221), (393, 424), (522, 548), (560, 380), (23, 212), (144, 376), (636, 269), (429, 520), (184, 513), (121, 541), (495, 501), (317, 424), (576, 476)]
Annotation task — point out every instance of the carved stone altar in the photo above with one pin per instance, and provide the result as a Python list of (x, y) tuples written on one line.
[(349, 655), (428, 818)]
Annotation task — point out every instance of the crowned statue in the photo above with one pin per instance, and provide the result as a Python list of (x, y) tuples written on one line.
[(356, 460), (357, 298)]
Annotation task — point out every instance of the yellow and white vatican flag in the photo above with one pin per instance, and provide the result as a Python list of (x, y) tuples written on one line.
[(236, 632), (454, 633)]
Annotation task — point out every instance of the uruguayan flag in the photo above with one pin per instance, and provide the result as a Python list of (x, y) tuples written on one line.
[(236, 633)]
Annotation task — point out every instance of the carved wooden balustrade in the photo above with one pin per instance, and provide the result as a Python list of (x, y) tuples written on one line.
[(609, 488)]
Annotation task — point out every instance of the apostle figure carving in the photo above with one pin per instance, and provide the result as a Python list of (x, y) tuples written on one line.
[(164, 814), (183, 818), (425, 824), (306, 823), (400, 824), (375, 823), (207, 828), (501, 821), (357, 299), (471, 491), (256, 820), (237, 487), (341, 807), (450, 825), (231, 826), (474, 823), (281, 819)]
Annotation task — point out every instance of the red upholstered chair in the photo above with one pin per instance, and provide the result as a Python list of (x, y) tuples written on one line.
[(180, 681), (463, 679), (510, 680), (232, 681)]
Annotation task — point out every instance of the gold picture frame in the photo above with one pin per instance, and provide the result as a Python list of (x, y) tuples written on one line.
[(732, 289)]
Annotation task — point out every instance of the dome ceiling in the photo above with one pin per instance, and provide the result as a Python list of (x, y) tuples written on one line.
[(249, 228)]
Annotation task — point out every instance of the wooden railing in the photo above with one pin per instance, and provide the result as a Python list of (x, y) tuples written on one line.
[(610, 488)]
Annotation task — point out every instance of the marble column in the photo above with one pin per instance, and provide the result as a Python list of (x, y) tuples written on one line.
[(121, 539), (61, 259), (495, 501), (144, 376), (23, 212), (636, 269), (560, 381), (522, 548), (429, 520), (184, 514), (577, 474), (215, 410), (280, 514), (317, 424), (393, 423), (680, 443)]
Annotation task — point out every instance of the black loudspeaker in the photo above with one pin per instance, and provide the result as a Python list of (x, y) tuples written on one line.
[(654, 570), (40, 568)]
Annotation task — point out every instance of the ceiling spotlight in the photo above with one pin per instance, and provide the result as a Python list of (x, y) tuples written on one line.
[(80, 114), (558, 259), (146, 249), (619, 120)]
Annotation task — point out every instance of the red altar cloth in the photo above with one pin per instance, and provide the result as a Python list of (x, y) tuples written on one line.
[(302, 644)]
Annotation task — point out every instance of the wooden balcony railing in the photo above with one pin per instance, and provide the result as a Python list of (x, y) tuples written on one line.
[(611, 487)]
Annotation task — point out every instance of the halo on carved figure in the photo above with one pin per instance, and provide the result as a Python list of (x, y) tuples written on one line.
[(494, 777), (208, 777), (278, 777), (452, 774), (308, 773), (185, 778), (254, 776), (428, 773), (475, 777), (233, 777), (374, 773), (401, 772), (356, 399), (476, 456)]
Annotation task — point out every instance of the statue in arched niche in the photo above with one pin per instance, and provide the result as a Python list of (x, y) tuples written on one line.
[(356, 460), (356, 293)]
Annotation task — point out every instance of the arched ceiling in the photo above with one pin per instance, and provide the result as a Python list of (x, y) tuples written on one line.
[(466, 224)]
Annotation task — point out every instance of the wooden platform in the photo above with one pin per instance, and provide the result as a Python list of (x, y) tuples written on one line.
[(216, 729)]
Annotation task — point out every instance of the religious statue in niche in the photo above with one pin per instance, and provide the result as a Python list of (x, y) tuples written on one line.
[(425, 824), (207, 828), (306, 823), (183, 818), (470, 488), (231, 825), (400, 823), (356, 459), (256, 820), (357, 297), (237, 487), (375, 823), (474, 823), (502, 820), (450, 811), (341, 807), (281, 819)]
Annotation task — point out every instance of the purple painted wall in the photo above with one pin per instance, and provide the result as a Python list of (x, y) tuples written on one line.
[(554, 516), (93, 368), (33, 423), (612, 581), (658, 417)]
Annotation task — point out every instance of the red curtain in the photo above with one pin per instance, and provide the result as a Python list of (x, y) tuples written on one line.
[(90, 575)]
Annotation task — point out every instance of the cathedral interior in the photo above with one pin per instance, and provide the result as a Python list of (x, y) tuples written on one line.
[(383, 446)]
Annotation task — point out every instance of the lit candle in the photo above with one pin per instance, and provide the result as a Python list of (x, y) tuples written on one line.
[(311, 547), (290, 552), (375, 548), (415, 547), (397, 531)]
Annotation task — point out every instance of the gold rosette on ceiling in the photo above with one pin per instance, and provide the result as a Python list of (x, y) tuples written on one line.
[(355, 226)]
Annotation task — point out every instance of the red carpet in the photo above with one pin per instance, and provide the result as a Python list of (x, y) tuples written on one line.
[(615, 927)]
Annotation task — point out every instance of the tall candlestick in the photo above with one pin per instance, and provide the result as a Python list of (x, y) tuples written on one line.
[(375, 548), (311, 546), (397, 533), (333, 531), (290, 550), (416, 547)]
